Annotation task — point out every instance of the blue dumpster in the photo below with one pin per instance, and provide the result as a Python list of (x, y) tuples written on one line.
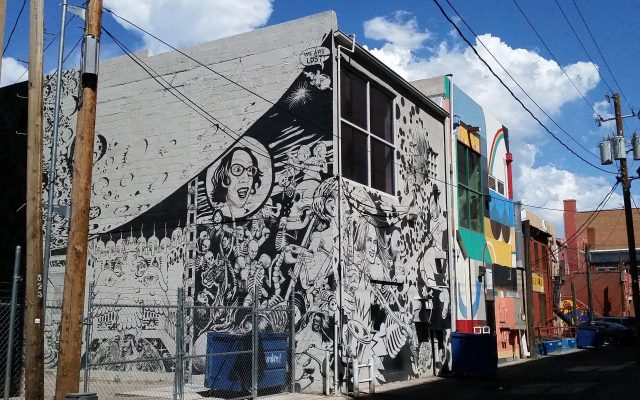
[(551, 346), (229, 361), (474, 354), (568, 343), (588, 336)]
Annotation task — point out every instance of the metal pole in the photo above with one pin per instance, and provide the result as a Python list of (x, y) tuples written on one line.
[(526, 228), (293, 341), (54, 152), (631, 240), (470, 296), (178, 372), (87, 338), (574, 309), (12, 322), (255, 336)]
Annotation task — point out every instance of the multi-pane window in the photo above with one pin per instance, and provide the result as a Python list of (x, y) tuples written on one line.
[(470, 204), (367, 131), (496, 185)]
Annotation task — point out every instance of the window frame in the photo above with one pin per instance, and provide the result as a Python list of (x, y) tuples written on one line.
[(354, 69), (463, 185)]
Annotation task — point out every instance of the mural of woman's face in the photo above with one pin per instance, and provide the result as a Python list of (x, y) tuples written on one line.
[(371, 245), (330, 206), (241, 176)]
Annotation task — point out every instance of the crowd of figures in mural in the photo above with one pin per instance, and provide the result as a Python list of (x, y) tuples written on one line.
[(267, 221)]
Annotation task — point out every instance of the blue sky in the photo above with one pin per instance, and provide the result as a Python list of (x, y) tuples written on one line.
[(418, 42)]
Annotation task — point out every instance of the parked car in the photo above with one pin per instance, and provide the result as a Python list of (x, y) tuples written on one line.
[(628, 322), (613, 333)]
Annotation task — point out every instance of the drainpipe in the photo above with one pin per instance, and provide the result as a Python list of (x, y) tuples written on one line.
[(338, 155)]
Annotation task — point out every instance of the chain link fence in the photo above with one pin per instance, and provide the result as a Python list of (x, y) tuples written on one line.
[(160, 347), (11, 348)]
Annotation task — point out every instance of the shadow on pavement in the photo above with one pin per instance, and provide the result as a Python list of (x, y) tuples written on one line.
[(610, 372)]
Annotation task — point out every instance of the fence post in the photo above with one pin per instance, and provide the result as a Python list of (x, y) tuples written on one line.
[(292, 339), (372, 376), (88, 323), (255, 344), (356, 377), (12, 322), (178, 384)]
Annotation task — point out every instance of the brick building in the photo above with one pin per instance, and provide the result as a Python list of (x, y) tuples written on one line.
[(605, 234)]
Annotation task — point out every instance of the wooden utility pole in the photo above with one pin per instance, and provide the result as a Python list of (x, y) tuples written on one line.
[(68, 377), (587, 264), (631, 240), (34, 313), (3, 21)]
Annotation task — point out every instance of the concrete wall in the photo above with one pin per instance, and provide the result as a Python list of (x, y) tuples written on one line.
[(170, 210), (237, 196), (403, 320)]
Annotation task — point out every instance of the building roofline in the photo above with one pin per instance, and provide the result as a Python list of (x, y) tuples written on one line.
[(345, 40)]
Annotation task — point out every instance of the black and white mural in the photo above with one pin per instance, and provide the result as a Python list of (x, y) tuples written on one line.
[(249, 209), (395, 287)]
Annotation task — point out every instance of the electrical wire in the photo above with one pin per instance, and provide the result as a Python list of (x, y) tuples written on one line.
[(582, 45), (555, 59), (606, 64), (47, 46), (518, 84), (513, 94), (183, 98), (15, 24), (586, 224), (281, 108), (167, 85)]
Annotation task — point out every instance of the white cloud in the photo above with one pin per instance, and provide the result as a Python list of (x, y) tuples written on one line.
[(543, 79), (12, 70), (188, 22), (402, 31), (548, 185)]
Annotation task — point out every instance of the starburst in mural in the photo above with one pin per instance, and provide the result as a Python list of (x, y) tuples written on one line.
[(300, 96)]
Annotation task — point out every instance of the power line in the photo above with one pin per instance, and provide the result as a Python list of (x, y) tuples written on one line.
[(518, 84), (284, 109), (601, 55), (582, 45), (584, 225), (187, 101), (15, 24), (555, 59), (181, 96), (49, 45), (513, 94)]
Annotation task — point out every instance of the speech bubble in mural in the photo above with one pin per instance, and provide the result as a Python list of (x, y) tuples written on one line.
[(240, 182), (315, 56)]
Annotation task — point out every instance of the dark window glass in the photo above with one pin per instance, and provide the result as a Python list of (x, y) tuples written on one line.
[(475, 209), (463, 207), (474, 171), (462, 165), (353, 98), (500, 187), (470, 198), (381, 166), (492, 183), (381, 106), (354, 154)]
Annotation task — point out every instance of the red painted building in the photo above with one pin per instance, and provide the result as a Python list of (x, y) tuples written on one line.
[(605, 234)]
